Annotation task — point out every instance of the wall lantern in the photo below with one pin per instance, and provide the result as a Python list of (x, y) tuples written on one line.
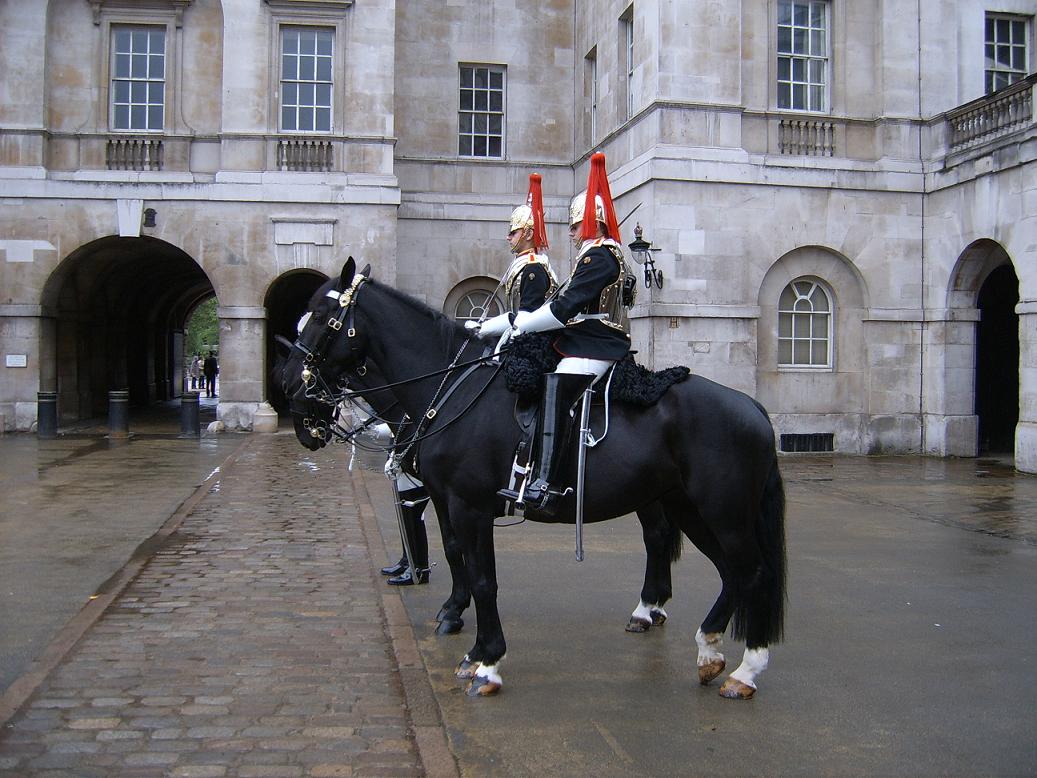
[(149, 217), (642, 251)]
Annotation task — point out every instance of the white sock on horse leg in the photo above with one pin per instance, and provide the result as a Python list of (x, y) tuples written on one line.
[(642, 612), (489, 673), (709, 646), (753, 663)]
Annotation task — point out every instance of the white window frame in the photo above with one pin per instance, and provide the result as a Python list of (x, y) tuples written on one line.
[(111, 15), (992, 70), (467, 293), (333, 15), (805, 62), (487, 123), (626, 25), (805, 288), (136, 74), (292, 74)]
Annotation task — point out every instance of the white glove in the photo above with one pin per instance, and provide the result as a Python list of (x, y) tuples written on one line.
[(472, 326), (540, 320), (390, 469), (491, 328)]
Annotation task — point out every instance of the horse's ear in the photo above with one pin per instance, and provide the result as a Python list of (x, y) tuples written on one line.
[(366, 272), (348, 271)]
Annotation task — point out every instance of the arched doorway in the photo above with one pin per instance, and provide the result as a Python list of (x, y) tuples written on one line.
[(286, 301), (997, 361), (118, 307)]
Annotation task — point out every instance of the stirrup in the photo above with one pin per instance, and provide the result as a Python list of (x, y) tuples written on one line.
[(407, 578)]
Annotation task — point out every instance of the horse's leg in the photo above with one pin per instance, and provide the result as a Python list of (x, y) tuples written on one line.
[(662, 548), (449, 621), (710, 635), (481, 663)]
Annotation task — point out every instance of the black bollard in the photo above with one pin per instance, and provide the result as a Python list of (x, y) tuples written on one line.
[(189, 424), (46, 415), (119, 413)]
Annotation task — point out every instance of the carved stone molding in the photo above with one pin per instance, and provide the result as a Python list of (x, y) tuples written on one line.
[(176, 6)]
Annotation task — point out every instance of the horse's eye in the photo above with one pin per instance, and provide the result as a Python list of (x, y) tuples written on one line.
[(303, 320)]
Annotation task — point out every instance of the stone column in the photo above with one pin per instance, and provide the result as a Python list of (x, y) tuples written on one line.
[(951, 427), (242, 358), (1026, 430), (28, 363)]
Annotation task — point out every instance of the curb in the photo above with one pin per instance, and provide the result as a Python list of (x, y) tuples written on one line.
[(426, 718), (23, 687)]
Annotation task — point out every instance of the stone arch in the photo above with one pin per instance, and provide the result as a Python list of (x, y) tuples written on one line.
[(981, 375), (286, 300), (113, 314), (816, 400)]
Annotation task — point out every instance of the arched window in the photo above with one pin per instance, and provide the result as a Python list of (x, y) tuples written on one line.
[(472, 299), (805, 325)]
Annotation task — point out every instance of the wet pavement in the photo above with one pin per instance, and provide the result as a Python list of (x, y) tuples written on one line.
[(238, 626)]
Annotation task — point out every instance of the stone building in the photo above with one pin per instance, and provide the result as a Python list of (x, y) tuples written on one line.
[(841, 195)]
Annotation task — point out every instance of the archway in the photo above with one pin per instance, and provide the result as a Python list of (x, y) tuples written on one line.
[(286, 301), (997, 361), (118, 306)]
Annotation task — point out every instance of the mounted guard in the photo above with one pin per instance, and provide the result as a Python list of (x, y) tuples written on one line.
[(588, 312)]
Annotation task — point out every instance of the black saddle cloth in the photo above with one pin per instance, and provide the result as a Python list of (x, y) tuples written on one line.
[(530, 356)]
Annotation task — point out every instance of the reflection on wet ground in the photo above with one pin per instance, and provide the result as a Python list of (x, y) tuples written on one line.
[(982, 495)]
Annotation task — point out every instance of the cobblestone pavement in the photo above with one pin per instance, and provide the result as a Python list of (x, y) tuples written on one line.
[(258, 641)]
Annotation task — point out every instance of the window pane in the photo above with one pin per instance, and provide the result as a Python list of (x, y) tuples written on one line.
[(155, 117), (138, 117), (122, 66), (481, 123), (466, 121), (290, 42), (787, 299), (481, 78), (290, 68), (289, 94), (820, 300), (495, 147), (801, 325), (307, 68), (1004, 55), (799, 41), (817, 43), (785, 40), (467, 78), (122, 91), (817, 15), (784, 12), (496, 125), (288, 119), (496, 101), (306, 94), (139, 66), (817, 98), (990, 29), (496, 80), (307, 42), (139, 40), (799, 70), (122, 40), (156, 92), (324, 69), (801, 352), (464, 146), (324, 43), (784, 68), (1002, 29), (479, 146), (784, 325), (122, 117), (480, 101), (799, 102), (324, 119), (157, 66), (466, 100), (800, 15), (138, 91), (306, 119), (1018, 58), (785, 352), (819, 352)]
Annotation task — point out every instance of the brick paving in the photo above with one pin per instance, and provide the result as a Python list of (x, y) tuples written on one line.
[(255, 642)]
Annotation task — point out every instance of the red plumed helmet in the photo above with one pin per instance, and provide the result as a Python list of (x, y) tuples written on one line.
[(598, 186), (535, 201)]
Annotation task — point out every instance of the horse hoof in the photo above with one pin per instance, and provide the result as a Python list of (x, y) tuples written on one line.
[(658, 618), (711, 670), (465, 669), (638, 625), (482, 687), (449, 626), (734, 689)]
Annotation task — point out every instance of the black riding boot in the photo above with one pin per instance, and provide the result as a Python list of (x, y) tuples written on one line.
[(416, 539), (562, 391)]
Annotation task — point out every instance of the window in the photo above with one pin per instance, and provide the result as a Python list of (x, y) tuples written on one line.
[(480, 119), (804, 325), (307, 64), (803, 55), (626, 26), (1005, 51), (138, 78), (590, 89), (472, 299)]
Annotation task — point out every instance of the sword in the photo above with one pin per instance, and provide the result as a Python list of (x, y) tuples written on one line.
[(581, 466)]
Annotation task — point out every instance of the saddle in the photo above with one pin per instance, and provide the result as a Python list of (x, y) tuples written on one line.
[(530, 355)]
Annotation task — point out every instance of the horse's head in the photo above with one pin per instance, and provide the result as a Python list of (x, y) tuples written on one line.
[(327, 346)]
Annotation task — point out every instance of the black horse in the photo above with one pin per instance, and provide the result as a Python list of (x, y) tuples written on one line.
[(315, 426), (704, 453)]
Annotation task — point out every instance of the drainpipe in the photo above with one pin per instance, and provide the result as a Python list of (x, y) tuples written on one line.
[(922, 291)]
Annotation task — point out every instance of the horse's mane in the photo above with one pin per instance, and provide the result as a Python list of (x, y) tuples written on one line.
[(450, 330)]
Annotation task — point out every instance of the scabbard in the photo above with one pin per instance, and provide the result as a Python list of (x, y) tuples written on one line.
[(581, 468), (403, 528)]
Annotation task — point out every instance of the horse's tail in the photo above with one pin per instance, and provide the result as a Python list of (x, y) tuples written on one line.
[(674, 541), (759, 618)]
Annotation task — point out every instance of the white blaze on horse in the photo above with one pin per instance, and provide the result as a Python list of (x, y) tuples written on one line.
[(703, 456)]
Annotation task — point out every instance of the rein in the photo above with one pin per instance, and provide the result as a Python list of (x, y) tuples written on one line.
[(316, 388)]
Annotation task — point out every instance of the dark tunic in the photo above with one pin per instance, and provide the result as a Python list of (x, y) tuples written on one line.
[(534, 283), (590, 339)]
